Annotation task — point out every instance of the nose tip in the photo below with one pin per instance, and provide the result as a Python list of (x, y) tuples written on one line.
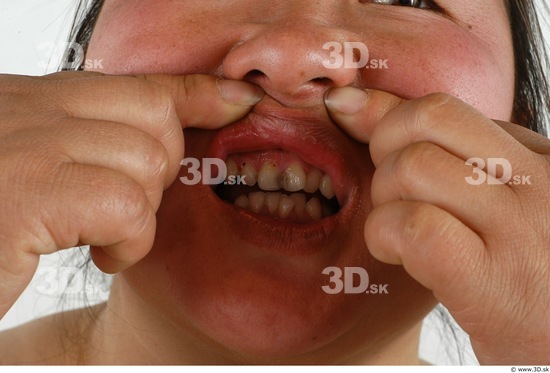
[(289, 64)]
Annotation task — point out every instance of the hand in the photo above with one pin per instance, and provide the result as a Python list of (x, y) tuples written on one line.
[(85, 158), (484, 250)]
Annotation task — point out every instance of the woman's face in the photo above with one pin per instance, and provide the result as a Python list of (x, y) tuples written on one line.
[(251, 283)]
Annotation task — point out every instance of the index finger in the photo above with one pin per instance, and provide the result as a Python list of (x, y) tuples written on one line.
[(389, 123), (199, 100), (358, 111), (204, 101), (450, 123), (531, 140), (159, 105)]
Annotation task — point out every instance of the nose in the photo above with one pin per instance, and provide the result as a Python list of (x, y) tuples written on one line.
[(291, 62)]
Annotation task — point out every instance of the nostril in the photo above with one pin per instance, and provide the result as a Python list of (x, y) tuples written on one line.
[(253, 75), (257, 77), (322, 80), (323, 83)]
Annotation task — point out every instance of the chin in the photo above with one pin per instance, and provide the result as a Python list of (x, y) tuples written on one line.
[(239, 269)]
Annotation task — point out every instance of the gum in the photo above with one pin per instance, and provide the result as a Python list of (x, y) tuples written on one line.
[(281, 158)]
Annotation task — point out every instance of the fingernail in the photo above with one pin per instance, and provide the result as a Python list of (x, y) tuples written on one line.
[(346, 100), (239, 92)]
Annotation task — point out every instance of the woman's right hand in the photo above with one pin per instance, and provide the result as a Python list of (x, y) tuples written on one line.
[(85, 158)]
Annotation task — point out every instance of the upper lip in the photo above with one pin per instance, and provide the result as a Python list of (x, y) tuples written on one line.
[(309, 135)]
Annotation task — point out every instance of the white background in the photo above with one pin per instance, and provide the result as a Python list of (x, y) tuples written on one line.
[(25, 25), (28, 30)]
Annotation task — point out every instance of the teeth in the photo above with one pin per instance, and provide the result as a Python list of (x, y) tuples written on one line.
[(294, 178), (285, 206), (250, 173), (272, 202), (326, 187), (232, 169), (268, 177), (313, 180), (299, 203), (256, 201), (242, 202), (313, 208)]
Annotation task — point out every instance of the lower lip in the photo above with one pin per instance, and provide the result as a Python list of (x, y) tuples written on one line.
[(288, 238)]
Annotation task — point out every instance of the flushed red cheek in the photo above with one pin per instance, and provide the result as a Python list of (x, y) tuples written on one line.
[(156, 41), (422, 56), (455, 62)]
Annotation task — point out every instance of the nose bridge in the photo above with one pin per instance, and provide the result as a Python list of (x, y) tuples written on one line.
[(291, 57)]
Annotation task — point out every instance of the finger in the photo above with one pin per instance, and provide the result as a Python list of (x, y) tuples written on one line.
[(62, 75), (158, 104), (449, 123), (531, 140), (101, 207), (110, 145), (198, 100), (358, 111), (424, 172), (136, 102), (434, 247), (204, 101), (438, 118)]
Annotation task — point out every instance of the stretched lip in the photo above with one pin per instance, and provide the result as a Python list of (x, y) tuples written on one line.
[(315, 140)]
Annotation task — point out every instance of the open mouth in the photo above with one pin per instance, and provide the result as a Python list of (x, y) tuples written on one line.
[(301, 187), (280, 185)]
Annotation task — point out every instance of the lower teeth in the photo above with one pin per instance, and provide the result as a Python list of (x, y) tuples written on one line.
[(294, 207)]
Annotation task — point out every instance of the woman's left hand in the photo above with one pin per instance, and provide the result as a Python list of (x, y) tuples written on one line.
[(483, 249)]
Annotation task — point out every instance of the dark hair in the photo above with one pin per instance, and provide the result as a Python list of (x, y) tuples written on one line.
[(532, 95), (83, 25)]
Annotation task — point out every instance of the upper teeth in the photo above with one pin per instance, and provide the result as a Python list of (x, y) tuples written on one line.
[(269, 178), (326, 187), (292, 179)]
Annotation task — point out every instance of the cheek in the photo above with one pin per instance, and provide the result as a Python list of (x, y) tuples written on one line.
[(456, 63), (427, 57), (157, 41)]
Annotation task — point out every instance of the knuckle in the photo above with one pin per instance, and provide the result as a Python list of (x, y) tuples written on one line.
[(417, 223), (187, 87), (429, 112), (434, 100), (106, 194), (157, 100), (127, 200), (138, 210), (156, 161), (413, 162)]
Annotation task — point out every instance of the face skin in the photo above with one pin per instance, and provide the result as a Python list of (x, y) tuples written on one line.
[(225, 285)]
